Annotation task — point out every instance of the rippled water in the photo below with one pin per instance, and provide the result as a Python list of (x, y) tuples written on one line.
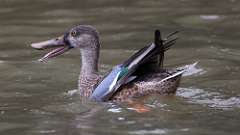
[(37, 98)]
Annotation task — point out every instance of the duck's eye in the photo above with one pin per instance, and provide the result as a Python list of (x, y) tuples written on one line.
[(74, 33)]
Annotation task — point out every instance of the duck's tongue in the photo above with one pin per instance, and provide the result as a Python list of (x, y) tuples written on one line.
[(58, 42)]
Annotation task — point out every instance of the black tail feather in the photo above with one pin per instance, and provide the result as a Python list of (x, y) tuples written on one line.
[(159, 42), (170, 40), (170, 35), (168, 44)]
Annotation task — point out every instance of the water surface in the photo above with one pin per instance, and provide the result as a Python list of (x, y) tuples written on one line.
[(38, 98)]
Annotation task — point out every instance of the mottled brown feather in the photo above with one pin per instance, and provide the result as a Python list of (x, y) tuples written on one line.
[(148, 84)]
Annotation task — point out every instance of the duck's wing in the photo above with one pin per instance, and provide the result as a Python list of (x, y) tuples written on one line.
[(164, 82), (157, 54), (120, 75), (124, 73)]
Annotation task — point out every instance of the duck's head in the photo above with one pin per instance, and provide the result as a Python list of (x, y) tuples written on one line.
[(82, 36)]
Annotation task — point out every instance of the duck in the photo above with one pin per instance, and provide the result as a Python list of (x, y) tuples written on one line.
[(140, 75)]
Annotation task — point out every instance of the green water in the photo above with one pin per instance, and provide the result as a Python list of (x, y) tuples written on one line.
[(38, 98)]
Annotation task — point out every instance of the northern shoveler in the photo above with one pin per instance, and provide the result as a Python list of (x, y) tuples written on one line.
[(140, 75)]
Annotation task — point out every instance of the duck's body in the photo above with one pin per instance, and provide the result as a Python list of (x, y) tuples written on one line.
[(140, 75), (151, 83)]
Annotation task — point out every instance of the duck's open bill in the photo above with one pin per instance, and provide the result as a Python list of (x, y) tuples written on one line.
[(57, 43)]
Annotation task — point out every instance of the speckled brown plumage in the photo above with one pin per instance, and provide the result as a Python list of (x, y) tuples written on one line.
[(149, 84), (87, 83)]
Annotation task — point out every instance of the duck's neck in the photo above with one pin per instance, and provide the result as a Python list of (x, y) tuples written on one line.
[(88, 74), (89, 70), (90, 58)]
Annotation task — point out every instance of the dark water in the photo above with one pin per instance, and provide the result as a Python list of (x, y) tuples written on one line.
[(37, 98)]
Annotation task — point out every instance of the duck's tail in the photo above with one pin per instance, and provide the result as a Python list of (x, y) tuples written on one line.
[(164, 44)]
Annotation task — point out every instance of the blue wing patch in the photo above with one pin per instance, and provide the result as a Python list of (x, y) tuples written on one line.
[(101, 93)]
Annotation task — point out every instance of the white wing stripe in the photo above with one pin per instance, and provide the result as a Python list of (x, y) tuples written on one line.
[(141, 56), (114, 82), (174, 75)]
